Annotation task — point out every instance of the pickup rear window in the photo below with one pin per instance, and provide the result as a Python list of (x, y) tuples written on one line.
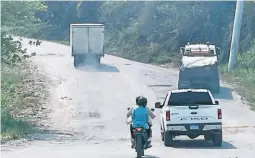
[(185, 98)]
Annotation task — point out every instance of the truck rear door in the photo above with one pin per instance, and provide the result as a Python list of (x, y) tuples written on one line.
[(96, 39), (79, 37)]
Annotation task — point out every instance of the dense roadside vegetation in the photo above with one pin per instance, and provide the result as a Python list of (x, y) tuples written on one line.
[(243, 77), (150, 32), (21, 87)]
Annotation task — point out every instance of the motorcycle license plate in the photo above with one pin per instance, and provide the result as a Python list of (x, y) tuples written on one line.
[(139, 129), (194, 127)]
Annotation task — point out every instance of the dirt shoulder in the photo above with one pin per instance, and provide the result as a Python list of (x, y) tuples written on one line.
[(23, 100)]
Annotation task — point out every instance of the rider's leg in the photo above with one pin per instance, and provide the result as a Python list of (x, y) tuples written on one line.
[(131, 131), (149, 132), (132, 136), (148, 144)]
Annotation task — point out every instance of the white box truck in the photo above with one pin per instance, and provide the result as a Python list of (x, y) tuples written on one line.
[(87, 43)]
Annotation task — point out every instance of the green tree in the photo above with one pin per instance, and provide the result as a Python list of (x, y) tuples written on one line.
[(19, 16)]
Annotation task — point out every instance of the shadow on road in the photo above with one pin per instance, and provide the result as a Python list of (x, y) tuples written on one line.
[(51, 135), (225, 93), (160, 85), (201, 144), (99, 68), (150, 156)]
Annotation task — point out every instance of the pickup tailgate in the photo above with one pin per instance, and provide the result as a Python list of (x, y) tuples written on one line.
[(192, 106), (189, 114)]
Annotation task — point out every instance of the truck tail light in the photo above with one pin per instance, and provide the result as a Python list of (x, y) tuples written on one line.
[(219, 114), (168, 115)]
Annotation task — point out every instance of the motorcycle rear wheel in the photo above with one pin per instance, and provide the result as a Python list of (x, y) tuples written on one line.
[(139, 147)]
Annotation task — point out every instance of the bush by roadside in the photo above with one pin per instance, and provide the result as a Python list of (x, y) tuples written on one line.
[(23, 91), (243, 77), (23, 95)]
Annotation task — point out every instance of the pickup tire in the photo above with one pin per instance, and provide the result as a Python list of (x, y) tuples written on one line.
[(208, 137), (217, 139), (168, 138)]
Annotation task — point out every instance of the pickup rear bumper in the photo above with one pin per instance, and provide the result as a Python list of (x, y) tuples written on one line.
[(202, 128)]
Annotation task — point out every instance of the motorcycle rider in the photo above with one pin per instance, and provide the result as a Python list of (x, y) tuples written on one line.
[(129, 114), (140, 118)]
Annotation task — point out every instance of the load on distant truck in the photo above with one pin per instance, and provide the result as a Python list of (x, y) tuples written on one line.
[(87, 43), (199, 67)]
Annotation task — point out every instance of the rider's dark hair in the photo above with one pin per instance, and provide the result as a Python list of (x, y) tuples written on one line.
[(137, 99), (142, 102)]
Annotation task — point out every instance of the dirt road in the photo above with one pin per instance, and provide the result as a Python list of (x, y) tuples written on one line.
[(88, 108)]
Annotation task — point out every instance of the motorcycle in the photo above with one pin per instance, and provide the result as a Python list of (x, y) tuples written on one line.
[(141, 139)]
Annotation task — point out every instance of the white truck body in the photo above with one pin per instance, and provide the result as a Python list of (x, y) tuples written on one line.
[(196, 48), (200, 50), (191, 112), (198, 61), (87, 39)]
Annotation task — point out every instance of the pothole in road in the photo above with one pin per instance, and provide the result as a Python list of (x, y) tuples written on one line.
[(99, 127), (51, 135), (50, 54), (160, 85), (65, 97), (90, 114), (94, 114), (238, 129)]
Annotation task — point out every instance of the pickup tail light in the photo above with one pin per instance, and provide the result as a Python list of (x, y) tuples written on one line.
[(168, 115), (219, 114)]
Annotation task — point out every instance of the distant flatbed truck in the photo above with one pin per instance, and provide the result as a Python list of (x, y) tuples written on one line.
[(87, 43)]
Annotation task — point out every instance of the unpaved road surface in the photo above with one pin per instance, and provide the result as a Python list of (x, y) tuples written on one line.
[(88, 109)]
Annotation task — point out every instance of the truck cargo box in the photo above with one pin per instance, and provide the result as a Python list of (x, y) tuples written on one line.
[(87, 43), (87, 38)]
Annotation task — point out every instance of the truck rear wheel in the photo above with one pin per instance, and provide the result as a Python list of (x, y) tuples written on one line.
[(76, 60), (83, 59), (217, 89), (98, 60), (179, 85)]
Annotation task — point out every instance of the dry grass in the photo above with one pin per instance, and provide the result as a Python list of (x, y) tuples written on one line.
[(23, 94)]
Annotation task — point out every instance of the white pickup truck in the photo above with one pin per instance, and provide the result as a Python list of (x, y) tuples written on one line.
[(191, 112)]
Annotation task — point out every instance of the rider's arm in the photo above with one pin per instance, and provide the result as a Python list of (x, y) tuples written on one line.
[(133, 115), (151, 114), (130, 112)]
